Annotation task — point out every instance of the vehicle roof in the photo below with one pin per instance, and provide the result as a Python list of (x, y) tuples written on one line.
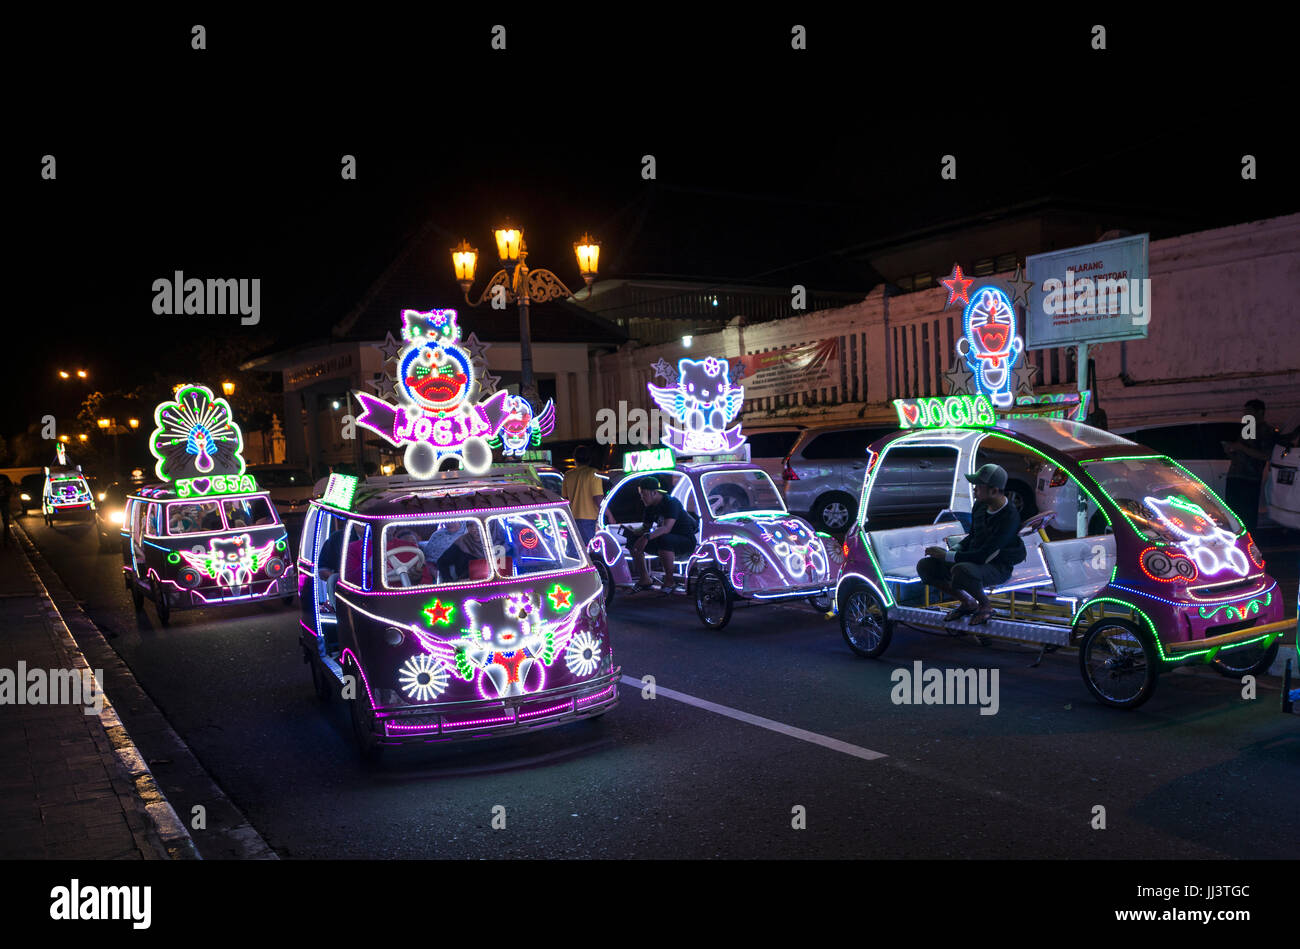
[(1064, 437), (404, 496), (157, 491)]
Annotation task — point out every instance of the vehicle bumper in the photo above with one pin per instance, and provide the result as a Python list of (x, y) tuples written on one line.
[(179, 598), (1205, 650), (524, 713), (801, 592)]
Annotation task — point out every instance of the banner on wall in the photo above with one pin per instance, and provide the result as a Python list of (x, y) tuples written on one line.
[(789, 370)]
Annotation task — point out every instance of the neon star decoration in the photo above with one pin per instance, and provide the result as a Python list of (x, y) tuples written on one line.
[(436, 418), (439, 613), (561, 597), (1211, 547), (521, 429), (195, 436), (231, 561), (703, 403), (989, 344), (957, 285)]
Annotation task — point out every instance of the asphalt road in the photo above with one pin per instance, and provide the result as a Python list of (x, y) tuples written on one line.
[(1197, 772)]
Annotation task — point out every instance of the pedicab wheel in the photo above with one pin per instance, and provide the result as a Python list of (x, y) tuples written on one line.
[(1247, 661), (713, 599), (369, 749), (1118, 663), (864, 622), (822, 603), (164, 608), (606, 581)]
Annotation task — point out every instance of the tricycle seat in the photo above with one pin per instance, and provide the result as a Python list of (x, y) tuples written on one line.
[(1030, 572), (899, 549), (1080, 566)]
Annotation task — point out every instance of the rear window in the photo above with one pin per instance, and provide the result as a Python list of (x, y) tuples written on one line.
[(771, 444), (846, 443)]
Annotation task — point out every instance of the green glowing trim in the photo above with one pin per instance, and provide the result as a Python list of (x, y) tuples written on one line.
[(217, 484), (953, 411), (1237, 612), (651, 459), (339, 491), (280, 545), (173, 557), (1138, 530), (1151, 627), (880, 574), (1210, 651)]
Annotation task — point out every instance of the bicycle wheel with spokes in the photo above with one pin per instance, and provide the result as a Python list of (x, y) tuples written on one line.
[(864, 621), (1118, 663), (713, 599)]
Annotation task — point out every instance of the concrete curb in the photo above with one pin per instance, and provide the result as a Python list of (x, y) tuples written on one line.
[(167, 824)]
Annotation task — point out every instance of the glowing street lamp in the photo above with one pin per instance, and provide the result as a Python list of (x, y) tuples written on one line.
[(105, 422), (588, 253), (510, 243), (133, 422), (81, 373), (62, 374), (82, 437), (465, 260), (228, 388)]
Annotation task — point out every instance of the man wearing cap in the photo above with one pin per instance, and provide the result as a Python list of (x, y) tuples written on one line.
[(985, 557), (669, 532)]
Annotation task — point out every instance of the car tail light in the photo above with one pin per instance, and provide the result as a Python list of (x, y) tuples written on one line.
[(1058, 478), (1166, 565), (789, 474), (846, 550)]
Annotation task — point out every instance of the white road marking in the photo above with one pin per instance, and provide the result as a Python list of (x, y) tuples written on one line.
[(834, 744)]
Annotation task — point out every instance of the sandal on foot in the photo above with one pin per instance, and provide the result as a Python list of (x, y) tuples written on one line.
[(958, 613), (982, 616)]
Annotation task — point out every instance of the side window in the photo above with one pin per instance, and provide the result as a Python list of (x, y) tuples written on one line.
[(625, 505), (356, 555), (533, 542), (154, 526), (248, 512), (307, 545)]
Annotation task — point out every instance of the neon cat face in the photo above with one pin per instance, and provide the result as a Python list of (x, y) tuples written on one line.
[(703, 380), (228, 551), (1185, 518), (436, 377), (992, 323)]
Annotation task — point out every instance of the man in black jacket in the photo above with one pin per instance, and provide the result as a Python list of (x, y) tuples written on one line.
[(985, 557)]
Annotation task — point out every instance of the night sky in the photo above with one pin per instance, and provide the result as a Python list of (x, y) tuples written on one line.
[(225, 163)]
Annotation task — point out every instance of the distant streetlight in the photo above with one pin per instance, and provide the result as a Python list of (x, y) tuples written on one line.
[(62, 374), (63, 438), (228, 388), (83, 436), (81, 373), (133, 422), (521, 285), (105, 422), (686, 341)]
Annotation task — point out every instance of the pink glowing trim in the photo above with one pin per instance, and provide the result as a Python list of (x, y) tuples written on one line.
[(563, 706), (366, 682), (598, 696), (272, 589), (493, 580), (415, 517), (478, 721), (304, 625)]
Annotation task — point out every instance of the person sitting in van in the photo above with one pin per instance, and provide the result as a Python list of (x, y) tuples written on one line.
[(985, 557)]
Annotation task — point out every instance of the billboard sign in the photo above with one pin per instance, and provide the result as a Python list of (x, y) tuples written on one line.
[(1097, 293)]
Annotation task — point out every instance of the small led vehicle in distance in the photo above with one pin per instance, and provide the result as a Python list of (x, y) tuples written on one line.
[(455, 607), (66, 492), (204, 535), (1153, 571)]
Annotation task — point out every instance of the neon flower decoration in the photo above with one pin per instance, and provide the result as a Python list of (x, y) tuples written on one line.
[(703, 402), (436, 419), (234, 561), (1211, 547), (423, 678), (521, 429), (990, 345), (953, 411), (583, 655), (195, 437)]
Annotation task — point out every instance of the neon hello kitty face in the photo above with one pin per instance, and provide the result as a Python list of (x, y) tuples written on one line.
[(435, 326), (229, 551), (703, 380), (992, 322)]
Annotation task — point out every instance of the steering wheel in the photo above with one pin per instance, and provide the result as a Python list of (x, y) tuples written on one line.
[(400, 562)]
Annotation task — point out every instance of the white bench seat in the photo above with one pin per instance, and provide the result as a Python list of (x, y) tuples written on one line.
[(900, 549), (1081, 566)]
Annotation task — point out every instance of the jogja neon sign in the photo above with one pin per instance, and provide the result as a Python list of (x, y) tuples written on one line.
[(703, 402), (435, 382), (652, 459), (952, 411), (1212, 548), (989, 343), (195, 437), (522, 429), (216, 484)]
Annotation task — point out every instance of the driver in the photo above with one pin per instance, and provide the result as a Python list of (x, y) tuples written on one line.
[(985, 557), (669, 533)]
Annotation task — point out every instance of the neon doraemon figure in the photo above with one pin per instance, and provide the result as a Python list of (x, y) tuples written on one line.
[(437, 418), (1209, 545), (704, 403), (522, 428), (990, 345)]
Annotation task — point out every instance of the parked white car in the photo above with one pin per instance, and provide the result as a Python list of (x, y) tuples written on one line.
[(1283, 489)]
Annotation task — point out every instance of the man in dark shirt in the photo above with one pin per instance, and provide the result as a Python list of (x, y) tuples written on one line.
[(669, 532), (1247, 466), (985, 557)]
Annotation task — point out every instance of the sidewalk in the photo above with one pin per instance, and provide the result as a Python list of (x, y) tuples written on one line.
[(65, 791)]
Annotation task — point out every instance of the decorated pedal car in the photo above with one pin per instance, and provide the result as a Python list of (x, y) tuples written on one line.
[(747, 545), (205, 535), (66, 491), (1165, 574), (461, 606)]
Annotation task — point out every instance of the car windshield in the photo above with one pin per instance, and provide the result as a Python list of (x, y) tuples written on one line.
[(740, 492), (433, 552), (1162, 500), (193, 518), (534, 541), (248, 512)]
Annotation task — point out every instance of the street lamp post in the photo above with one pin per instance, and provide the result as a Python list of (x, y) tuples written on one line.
[(522, 285)]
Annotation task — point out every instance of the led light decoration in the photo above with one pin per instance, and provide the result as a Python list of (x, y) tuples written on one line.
[(1238, 611), (1211, 547), (216, 484), (233, 561), (61, 453), (1064, 405), (583, 654), (340, 490), (990, 345), (651, 459), (436, 418), (561, 597), (423, 678), (521, 429), (195, 437), (1167, 564), (438, 613), (703, 402), (953, 411)]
